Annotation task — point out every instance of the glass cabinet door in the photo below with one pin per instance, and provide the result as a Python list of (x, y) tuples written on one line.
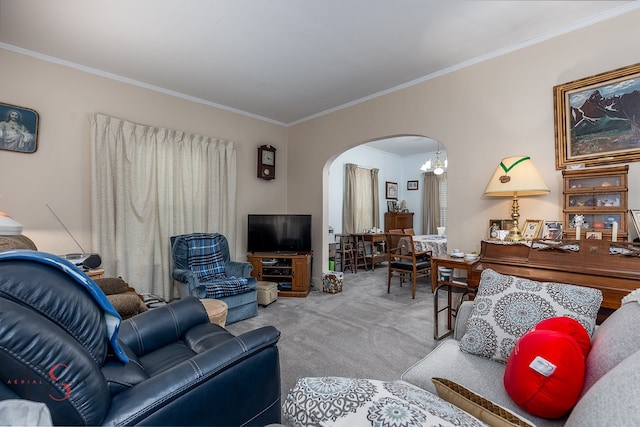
[(595, 182), (596, 221), (600, 200)]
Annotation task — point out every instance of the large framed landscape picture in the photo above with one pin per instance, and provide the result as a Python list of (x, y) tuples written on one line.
[(597, 119)]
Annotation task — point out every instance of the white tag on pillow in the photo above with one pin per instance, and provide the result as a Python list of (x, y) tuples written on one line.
[(542, 366)]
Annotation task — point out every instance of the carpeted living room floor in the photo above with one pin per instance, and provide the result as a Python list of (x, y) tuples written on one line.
[(361, 332)]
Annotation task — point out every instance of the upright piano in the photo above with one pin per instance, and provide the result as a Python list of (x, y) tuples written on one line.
[(612, 267)]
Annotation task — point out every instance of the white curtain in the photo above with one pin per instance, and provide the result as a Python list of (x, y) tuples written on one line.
[(434, 202), (361, 201), (150, 183), (443, 186)]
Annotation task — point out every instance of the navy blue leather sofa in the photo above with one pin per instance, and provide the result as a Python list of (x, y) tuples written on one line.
[(57, 346)]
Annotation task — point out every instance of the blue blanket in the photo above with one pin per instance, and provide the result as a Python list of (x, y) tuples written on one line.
[(207, 262), (111, 316)]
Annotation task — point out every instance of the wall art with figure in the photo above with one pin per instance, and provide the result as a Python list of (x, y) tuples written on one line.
[(18, 129)]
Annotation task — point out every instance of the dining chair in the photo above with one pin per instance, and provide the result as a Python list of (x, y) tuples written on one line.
[(359, 251), (396, 231), (409, 231), (345, 253), (405, 262)]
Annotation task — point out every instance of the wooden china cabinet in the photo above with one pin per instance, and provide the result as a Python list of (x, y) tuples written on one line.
[(398, 220), (600, 196)]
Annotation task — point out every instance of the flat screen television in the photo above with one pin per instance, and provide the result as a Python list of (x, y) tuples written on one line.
[(279, 233)]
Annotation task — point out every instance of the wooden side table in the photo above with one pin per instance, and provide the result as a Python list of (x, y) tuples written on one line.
[(216, 310), (454, 284), (95, 273)]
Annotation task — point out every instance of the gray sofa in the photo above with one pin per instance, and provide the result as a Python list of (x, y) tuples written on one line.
[(610, 394), (612, 382)]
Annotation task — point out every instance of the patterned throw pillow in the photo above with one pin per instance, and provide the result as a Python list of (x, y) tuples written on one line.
[(350, 402), (506, 307)]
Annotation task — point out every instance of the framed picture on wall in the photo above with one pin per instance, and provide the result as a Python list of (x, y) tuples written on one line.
[(392, 190), (595, 119), (18, 129), (412, 185)]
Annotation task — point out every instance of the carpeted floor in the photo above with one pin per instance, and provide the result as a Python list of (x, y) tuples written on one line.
[(361, 332)]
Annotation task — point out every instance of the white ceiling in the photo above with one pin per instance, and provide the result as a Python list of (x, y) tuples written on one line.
[(283, 61)]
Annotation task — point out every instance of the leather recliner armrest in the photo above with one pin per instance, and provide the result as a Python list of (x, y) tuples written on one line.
[(153, 329), (224, 379)]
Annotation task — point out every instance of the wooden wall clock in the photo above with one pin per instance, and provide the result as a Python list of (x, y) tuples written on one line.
[(266, 162)]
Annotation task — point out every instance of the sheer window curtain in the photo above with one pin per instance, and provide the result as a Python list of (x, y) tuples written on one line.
[(150, 183), (434, 202), (361, 200), (443, 188)]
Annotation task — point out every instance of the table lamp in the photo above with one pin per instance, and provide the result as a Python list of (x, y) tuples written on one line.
[(514, 177)]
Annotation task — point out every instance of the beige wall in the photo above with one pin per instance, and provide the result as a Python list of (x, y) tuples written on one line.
[(58, 172), (494, 109)]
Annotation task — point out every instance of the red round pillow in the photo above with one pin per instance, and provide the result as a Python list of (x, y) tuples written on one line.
[(545, 371)]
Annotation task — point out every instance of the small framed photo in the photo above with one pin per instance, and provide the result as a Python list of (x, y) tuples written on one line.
[(635, 218), (507, 224), (391, 206), (498, 228), (593, 235), (392, 190), (552, 230), (494, 228), (531, 228), (412, 185), (18, 129)]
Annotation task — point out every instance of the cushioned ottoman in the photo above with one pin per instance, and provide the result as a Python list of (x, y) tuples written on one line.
[(351, 402), (267, 293)]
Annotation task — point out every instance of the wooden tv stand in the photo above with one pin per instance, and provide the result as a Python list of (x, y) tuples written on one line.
[(292, 272), (614, 268)]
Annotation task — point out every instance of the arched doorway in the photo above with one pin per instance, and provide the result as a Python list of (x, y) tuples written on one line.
[(399, 160)]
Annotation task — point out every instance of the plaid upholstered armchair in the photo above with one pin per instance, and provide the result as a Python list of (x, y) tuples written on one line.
[(202, 268)]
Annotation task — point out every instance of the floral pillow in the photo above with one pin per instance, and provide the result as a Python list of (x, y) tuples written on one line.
[(506, 307)]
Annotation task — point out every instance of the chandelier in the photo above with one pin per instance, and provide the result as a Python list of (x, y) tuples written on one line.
[(439, 166)]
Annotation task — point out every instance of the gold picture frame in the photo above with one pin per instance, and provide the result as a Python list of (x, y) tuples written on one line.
[(593, 123), (531, 229), (635, 218)]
